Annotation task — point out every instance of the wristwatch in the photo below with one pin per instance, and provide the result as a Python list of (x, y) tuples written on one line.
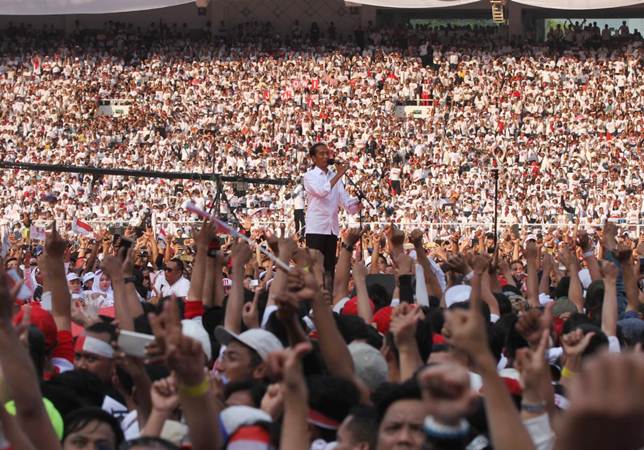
[(534, 408), (347, 247), (129, 280)]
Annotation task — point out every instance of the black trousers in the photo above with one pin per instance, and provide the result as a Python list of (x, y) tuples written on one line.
[(298, 216), (327, 244)]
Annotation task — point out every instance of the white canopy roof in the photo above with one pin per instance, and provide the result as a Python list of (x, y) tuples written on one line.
[(53, 7), (551, 4), (48, 7)]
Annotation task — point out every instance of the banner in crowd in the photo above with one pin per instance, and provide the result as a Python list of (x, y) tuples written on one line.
[(551, 4), (37, 233), (47, 7)]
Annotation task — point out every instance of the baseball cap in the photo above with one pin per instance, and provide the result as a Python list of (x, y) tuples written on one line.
[(370, 365), (262, 341), (44, 321), (382, 319), (351, 307), (563, 305), (88, 276), (72, 276), (456, 294)]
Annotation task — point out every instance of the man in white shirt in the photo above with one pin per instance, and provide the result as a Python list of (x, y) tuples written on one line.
[(298, 209), (172, 281), (325, 192)]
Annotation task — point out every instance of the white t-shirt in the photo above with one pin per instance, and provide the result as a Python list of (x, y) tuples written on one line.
[(179, 288)]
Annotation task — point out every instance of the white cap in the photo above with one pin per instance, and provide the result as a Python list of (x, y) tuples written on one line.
[(456, 294), (370, 365), (196, 331), (88, 276), (530, 237), (71, 276), (262, 341)]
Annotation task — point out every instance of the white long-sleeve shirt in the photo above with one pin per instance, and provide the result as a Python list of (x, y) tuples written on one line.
[(298, 197), (324, 202)]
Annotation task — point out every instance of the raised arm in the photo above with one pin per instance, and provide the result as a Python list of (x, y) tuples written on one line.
[(375, 253), (241, 254), (431, 281), (286, 249), (404, 322), (544, 283), (467, 332), (530, 254), (203, 238), (112, 266), (624, 256), (332, 345), (343, 266), (590, 257), (89, 264), (609, 308), (575, 292), (21, 378), (185, 357), (55, 279), (359, 272), (487, 296), (317, 185), (287, 366), (504, 269)]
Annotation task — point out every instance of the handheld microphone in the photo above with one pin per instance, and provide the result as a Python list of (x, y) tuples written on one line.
[(330, 161)]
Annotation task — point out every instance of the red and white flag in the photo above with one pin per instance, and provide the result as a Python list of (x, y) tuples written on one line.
[(82, 228)]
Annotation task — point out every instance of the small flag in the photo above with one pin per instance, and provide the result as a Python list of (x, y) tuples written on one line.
[(82, 228), (37, 233)]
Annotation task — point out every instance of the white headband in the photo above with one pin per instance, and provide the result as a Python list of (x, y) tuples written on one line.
[(89, 344)]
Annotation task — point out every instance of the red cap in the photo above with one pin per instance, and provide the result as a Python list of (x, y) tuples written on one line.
[(351, 307), (42, 320), (382, 318)]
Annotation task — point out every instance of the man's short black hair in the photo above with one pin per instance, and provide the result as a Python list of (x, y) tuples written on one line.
[(9, 259), (314, 148), (389, 393), (363, 425), (149, 442), (333, 397), (180, 265), (80, 418), (103, 327), (255, 389)]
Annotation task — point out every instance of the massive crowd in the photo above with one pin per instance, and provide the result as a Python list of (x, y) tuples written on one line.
[(564, 128), (147, 335)]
